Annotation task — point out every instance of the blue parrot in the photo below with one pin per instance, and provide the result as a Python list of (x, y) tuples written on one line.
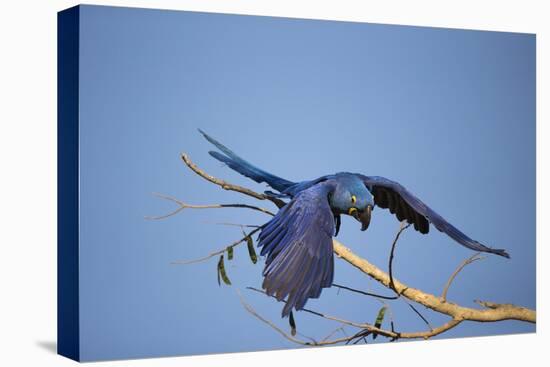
[(297, 241)]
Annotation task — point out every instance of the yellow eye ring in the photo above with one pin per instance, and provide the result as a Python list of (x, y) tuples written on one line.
[(353, 199)]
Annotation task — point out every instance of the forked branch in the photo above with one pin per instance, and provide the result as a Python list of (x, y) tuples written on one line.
[(228, 186), (465, 263), (183, 206), (490, 313), (497, 312)]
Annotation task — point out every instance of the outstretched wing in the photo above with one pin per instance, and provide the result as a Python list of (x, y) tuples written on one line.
[(298, 245), (391, 195)]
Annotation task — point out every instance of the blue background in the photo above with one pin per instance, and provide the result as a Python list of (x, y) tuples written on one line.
[(450, 114)]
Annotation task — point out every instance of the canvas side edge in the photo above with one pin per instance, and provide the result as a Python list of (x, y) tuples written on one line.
[(68, 328)]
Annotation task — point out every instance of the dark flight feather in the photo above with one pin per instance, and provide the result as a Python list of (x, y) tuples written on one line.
[(298, 245), (423, 213)]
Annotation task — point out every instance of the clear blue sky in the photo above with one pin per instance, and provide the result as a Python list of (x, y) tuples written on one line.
[(450, 114)]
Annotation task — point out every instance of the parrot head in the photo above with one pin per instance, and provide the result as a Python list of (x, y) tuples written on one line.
[(352, 197)]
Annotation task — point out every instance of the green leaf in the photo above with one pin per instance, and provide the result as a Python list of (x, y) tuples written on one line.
[(292, 324), (251, 251), (222, 273), (218, 272), (379, 320), (229, 252)]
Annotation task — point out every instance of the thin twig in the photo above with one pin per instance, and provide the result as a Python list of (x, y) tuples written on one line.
[(236, 225), (283, 333), (228, 186), (368, 328), (183, 205), (469, 260), (217, 252), (402, 227), (363, 292), (303, 309), (313, 341), (340, 328), (419, 314), (316, 313)]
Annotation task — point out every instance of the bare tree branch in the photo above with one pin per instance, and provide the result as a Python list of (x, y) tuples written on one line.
[(495, 313), (251, 310), (380, 297), (340, 328), (227, 186), (402, 227), (369, 327), (469, 260), (363, 292), (420, 315), (304, 309), (498, 313), (491, 312), (183, 205)]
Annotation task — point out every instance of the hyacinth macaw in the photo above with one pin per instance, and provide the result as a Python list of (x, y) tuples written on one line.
[(298, 239)]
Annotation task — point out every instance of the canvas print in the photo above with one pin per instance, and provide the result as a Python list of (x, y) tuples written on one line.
[(233, 183)]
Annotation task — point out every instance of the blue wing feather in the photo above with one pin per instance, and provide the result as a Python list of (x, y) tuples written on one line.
[(298, 245), (398, 191), (243, 167)]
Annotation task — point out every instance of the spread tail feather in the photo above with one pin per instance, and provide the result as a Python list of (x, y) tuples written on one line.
[(244, 168)]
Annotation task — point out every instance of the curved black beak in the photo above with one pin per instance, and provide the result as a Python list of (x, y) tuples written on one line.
[(362, 216)]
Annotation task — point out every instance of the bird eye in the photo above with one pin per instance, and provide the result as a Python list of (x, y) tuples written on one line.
[(353, 199)]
